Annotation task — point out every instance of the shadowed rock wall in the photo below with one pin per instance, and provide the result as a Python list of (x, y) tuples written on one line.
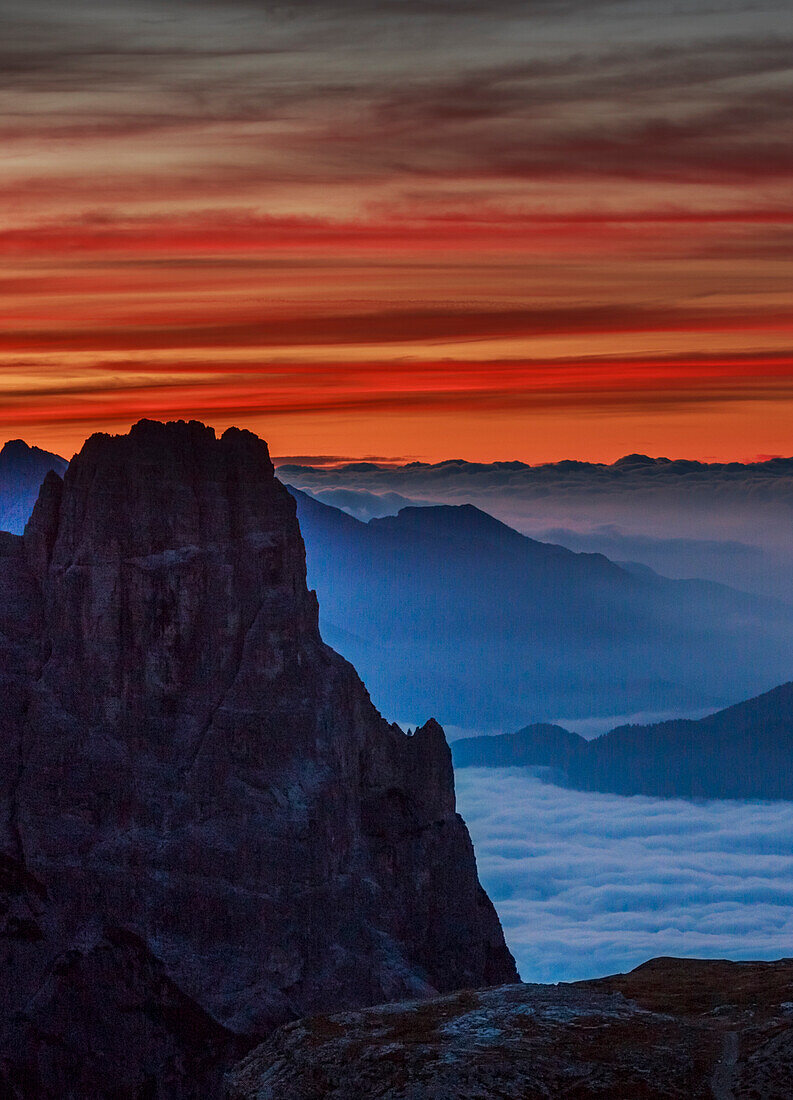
[(183, 761)]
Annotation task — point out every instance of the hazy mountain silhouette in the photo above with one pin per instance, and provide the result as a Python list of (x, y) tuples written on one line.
[(22, 470), (363, 505), (539, 745), (447, 607), (743, 751), (723, 521)]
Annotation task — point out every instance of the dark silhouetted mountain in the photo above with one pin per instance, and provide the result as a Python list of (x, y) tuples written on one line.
[(22, 470), (540, 745), (207, 827), (743, 751), (363, 505), (672, 1029), (448, 607), (721, 521)]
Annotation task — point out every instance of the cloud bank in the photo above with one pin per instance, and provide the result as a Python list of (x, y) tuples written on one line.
[(587, 885), (728, 522)]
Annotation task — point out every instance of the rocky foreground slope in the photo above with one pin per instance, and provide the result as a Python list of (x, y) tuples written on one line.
[(206, 827), (673, 1029)]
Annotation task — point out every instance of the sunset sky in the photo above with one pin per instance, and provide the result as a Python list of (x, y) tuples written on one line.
[(527, 229)]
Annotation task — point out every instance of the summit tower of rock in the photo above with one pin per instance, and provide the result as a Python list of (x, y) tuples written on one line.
[(196, 794)]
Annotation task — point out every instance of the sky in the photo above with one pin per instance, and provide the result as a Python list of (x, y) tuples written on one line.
[(594, 884), (403, 229)]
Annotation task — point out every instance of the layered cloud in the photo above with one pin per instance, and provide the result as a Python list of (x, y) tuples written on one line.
[(587, 885), (727, 522), (568, 216)]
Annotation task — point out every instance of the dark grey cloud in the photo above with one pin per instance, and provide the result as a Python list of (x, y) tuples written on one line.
[(437, 89), (709, 108)]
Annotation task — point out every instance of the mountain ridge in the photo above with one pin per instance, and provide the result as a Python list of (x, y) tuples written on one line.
[(450, 604), (738, 752), (22, 470)]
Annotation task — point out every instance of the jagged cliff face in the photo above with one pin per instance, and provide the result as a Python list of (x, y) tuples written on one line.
[(182, 758)]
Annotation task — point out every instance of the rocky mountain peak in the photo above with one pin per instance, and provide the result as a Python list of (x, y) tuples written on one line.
[(185, 761), (163, 487), (15, 448), (156, 558)]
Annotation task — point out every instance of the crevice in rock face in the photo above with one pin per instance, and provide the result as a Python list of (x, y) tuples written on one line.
[(13, 812), (16, 779), (236, 665)]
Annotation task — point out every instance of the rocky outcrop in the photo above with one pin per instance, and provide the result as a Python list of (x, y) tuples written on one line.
[(99, 1019), (674, 1029), (201, 788)]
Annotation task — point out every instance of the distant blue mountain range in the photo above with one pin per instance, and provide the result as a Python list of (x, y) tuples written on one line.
[(743, 751), (446, 610)]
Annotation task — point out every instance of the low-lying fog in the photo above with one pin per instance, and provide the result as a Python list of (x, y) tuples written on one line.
[(727, 522), (593, 884)]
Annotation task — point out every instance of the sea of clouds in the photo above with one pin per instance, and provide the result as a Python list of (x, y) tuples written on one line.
[(727, 522), (594, 884)]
